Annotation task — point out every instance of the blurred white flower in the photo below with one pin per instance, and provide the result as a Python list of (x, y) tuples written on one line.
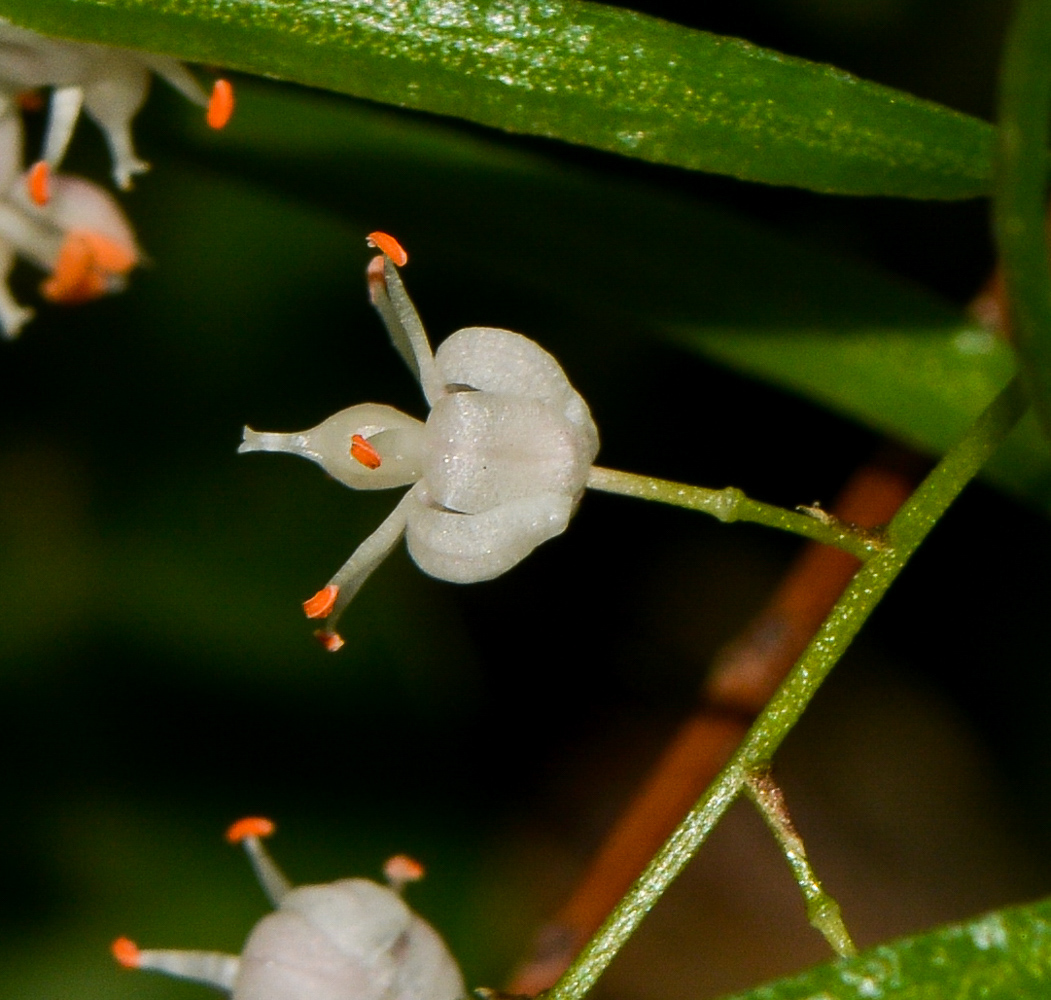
[(109, 83), (80, 236), (347, 940), (497, 468)]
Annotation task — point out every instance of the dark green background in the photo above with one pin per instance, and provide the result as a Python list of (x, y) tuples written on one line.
[(158, 679)]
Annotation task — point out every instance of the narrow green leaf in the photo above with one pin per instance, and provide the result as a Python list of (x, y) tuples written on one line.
[(1003, 955), (578, 71), (919, 384), (1021, 196)]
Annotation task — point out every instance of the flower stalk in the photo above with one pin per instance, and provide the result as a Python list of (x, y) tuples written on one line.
[(731, 504)]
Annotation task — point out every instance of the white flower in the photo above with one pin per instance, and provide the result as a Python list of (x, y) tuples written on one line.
[(109, 83), (498, 467), (347, 940), (80, 237)]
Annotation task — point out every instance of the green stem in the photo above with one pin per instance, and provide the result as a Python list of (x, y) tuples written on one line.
[(1020, 195), (910, 526), (822, 910), (730, 504)]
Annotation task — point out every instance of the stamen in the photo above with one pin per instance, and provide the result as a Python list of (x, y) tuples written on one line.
[(38, 183), (86, 263), (363, 452), (250, 826), (126, 952), (401, 869), (390, 246), (221, 105), (72, 279), (332, 641), (377, 283), (321, 603)]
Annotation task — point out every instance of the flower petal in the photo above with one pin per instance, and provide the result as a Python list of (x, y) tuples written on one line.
[(501, 361), (483, 449), (466, 548)]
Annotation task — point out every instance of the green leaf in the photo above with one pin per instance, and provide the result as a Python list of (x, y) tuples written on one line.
[(1002, 955), (582, 72), (918, 384), (1021, 197)]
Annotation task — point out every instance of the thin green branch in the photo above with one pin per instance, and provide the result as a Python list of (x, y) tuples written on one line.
[(822, 910), (1021, 195), (909, 527), (730, 504)]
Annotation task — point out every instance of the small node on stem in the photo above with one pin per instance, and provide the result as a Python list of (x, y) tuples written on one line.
[(321, 603), (332, 641), (250, 826), (38, 183), (363, 452), (726, 503), (126, 952), (390, 246), (221, 104)]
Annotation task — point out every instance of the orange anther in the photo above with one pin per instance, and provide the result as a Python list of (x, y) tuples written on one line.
[(321, 603), (250, 826), (390, 246), (85, 266), (401, 869), (38, 182), (363, 452), (332, 641), (126, 952), (221, 105)]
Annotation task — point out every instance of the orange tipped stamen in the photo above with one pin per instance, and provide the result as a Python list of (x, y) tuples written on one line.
[(401, 869), (221, 105), (332, 641), (250, 826), (38, 182), (390, 246), (126, 952), (321, 603), (363, 452), (85, 266)]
